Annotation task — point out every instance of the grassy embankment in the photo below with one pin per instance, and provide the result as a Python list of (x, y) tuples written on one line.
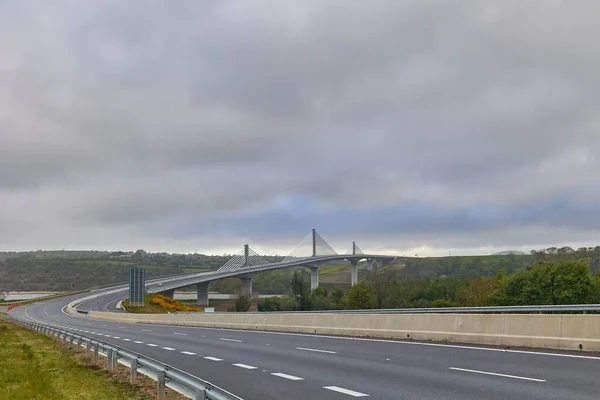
[(34, 367)]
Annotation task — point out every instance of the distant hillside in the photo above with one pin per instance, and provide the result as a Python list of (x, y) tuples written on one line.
[(41, 270), (510, 253)]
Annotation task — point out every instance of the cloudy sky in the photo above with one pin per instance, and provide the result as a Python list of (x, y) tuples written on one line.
[(407, 126)]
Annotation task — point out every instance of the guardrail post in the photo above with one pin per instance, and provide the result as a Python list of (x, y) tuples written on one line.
[(161, 385), (115, 361), (87, 350), (134, 364), (79, 345), (63, 339), (96, 352), (200, 395), (109, 360)]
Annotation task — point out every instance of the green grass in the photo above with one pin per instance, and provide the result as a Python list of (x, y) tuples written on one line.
[(332, 269), (34, 367), (106, 262)]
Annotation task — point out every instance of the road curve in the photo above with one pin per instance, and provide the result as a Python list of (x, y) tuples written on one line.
[(263, 365)]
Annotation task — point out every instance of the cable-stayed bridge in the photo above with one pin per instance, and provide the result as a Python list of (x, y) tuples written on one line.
[(313, 252)]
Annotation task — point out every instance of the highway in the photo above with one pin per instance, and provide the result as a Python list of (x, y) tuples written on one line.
[(263, 365)]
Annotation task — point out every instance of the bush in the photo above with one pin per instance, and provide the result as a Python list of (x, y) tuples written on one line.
[(170, 304), (360, 297), (242, 303)]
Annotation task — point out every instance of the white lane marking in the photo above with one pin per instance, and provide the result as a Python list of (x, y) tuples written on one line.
[(116, 337), (346, 391), (316, 350), (127, 340), (400, 342), (495, 374), (137, 341), (168, 348), (147, 330), (152, 345), (245, 366), (213, 358), (189, 353), (286, 376), (230, 340), (180, 334)]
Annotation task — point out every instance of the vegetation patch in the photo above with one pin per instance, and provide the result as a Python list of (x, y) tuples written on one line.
[(33, 367), (158, 304)]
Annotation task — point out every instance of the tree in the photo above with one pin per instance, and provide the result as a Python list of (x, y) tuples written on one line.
[(300, 290), (360, 297), (571, 283), (337, 295), (140, 253), (476, 292), (242, 303), (380, 281), (442, 303), (562, 282)]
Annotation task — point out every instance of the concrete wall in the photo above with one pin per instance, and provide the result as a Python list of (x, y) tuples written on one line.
[(531, 330)]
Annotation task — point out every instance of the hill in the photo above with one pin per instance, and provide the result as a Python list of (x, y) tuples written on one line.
[(55, 270)]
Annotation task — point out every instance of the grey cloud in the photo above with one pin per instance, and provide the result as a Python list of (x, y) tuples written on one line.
[(115, 115)]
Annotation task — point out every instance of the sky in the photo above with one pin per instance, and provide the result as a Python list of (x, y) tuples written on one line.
[(411, 127)]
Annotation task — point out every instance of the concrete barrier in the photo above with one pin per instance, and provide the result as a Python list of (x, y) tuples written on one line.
[(554, 331)]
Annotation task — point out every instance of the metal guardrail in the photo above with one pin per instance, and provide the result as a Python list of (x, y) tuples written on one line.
[(452, 310), (165, 375), (42, 298)]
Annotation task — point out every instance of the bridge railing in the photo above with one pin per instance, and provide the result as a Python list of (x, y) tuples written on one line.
[(164, 374)]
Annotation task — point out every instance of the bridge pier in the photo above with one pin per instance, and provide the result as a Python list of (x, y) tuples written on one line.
[(169, 293), (369, 264), (246, 287), (314, 278), (202, 293), (354, 274)]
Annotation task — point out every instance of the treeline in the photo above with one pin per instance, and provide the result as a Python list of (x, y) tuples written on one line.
[(463, 267), (546, 283)]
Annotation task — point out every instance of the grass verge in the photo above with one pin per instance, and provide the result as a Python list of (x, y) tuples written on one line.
[(34, 367)]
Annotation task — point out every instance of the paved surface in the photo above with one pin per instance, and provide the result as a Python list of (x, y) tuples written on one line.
[(262, 365)]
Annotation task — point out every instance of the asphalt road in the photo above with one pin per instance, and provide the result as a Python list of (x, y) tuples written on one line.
[(263, 365)]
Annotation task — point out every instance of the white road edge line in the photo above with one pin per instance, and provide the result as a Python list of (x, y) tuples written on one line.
[(495, 374), (286, 376), (230, 340), (212, 358), (245, 366), (398, 342), (346, 391), (316, 350)]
